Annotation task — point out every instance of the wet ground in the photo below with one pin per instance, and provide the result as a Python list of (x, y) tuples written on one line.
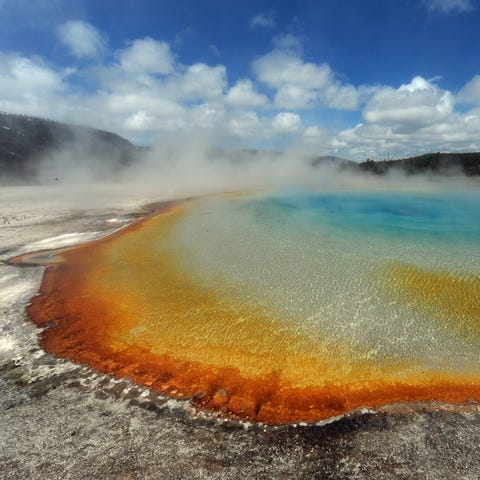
[(59, 420)]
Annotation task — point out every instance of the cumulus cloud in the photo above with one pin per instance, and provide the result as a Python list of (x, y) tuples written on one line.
[(413, 105), (243, 95), (378, 140), (28, 84), (82, 39), (140, 120), (286, 122), (448, 6), (300, 84), (27, 75), (295, 97), (414, 118), (199, 81), (314, 133), (147, 56), (263, 20), (146, 94), (279, 68), (342, 97), (245, 125)]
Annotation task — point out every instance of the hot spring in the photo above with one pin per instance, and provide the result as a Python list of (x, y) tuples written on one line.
[(289, 306)]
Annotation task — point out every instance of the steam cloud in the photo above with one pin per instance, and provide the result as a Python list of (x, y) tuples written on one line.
[(193, 167)]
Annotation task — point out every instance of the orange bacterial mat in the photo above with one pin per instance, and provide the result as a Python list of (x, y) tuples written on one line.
[(126, 306)]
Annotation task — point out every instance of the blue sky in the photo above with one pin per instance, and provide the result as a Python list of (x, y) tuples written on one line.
[(355, 78)]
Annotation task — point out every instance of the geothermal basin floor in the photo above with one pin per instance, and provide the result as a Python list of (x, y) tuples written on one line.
[(62, 420)]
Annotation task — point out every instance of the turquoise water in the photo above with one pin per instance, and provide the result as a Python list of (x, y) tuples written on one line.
[(440, 216), (322, 260)]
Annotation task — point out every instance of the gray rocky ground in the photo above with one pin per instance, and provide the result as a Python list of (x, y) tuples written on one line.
[(59, 420)]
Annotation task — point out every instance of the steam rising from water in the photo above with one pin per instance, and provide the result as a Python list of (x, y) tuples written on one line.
[(193, 167)]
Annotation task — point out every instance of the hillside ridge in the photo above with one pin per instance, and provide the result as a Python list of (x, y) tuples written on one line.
[(25, 140)]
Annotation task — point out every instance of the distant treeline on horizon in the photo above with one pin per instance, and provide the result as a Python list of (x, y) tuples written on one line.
[(440, 163)]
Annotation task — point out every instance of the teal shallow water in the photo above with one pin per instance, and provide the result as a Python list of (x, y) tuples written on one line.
[(326, 261)]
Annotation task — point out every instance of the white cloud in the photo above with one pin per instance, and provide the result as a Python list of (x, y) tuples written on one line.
[(415, 118), (316, 136), (147, 101), (342, 97), (295, 97), (456, 133), (279, 68), (414, 105), (199, 81), (140, 120), (28, 84), (263, 20), (448, 6), (147, 56), (314, 131), (470, 93), (417, 84), (297, 83), (245, 125), (82, 39), (207, 116), (28, 76), (302, 85), (145, 94), (243, 95), (286, 122)]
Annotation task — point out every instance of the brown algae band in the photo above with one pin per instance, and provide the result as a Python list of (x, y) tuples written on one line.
[(134, 305)]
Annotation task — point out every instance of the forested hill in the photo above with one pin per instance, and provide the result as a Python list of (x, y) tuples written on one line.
[(24, 140), (430, 163)]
